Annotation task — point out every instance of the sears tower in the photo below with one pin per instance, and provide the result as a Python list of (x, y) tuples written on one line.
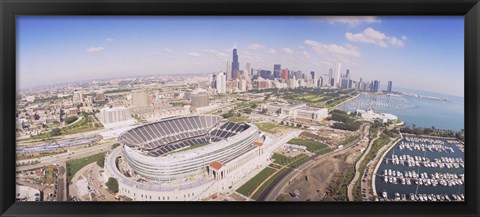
[(235, 65)]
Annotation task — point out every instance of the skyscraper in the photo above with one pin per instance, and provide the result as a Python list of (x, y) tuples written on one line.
[(330, 77), (347, 74), (312, 73), (389, 87), (235, 64), (285, 74), (220, 83), (277, 70), (337, 81), (229, 71), (248, 67), (376, 86)]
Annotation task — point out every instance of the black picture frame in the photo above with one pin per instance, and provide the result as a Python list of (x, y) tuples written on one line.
[(9, 9)]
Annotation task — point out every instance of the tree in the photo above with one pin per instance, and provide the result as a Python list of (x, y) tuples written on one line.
[(101, 162), (55, 132), (112, 185), (70, 119), (247, 111)]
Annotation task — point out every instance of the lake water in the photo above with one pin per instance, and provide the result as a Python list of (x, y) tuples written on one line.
[(412, 110)]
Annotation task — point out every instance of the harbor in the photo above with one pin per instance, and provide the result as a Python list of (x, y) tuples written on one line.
[(422, 169)]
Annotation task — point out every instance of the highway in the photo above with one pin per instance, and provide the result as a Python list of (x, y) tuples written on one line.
[(63, 157)]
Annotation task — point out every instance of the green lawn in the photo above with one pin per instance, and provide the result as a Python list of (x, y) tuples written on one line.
[(312, 146), (285, 160), (267, 127), (238, 119), (86, 124), (253, 183), (267, 183), (73, 166)]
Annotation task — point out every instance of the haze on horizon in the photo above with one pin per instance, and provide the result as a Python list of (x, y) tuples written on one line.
[(424, 53)]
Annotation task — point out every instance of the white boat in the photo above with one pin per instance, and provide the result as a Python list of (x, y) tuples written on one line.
[(412, 196)]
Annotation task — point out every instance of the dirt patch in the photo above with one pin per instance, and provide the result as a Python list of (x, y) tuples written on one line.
[(312, 183)]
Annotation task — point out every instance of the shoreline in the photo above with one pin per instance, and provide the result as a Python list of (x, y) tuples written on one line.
[(374, 173)]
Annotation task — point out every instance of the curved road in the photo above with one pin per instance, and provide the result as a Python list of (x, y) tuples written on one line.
[(357, 165)]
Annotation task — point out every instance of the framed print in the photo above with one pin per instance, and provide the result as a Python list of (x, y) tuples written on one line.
[(240, 108)]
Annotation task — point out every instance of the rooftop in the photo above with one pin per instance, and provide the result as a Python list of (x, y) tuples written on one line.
[(216, 165)]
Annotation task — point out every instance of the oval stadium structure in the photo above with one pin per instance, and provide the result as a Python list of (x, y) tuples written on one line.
[(185, 158)]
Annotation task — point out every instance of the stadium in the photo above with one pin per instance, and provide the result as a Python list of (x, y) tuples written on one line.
[(185, 158)]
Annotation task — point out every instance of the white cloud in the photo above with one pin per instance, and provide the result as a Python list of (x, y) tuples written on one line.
[(221, 54), (352, 21), (306, 55), (210, 51), (372, 36), (287, 51), (397, 42), (168, 50), (95, 49), (320, 48), (109, 39), (193, 54), (255, 46), (272, 51)]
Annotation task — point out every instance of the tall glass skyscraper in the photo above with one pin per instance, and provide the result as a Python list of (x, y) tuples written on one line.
[(277, 70), (235, 64)]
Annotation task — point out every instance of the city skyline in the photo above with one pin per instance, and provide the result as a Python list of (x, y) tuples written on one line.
[(372, 48)]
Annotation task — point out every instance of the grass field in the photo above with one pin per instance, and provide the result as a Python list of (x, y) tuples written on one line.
[(86, 124), (312, 146), (285, 160), (267, 127), (73, 166), (267, 183), (253, 183), (238, 119)]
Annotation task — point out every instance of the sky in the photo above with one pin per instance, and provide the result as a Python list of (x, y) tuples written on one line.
[(424, 53)]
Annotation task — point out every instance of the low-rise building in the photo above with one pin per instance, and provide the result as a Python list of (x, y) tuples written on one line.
[(372, 116), (297, 111)]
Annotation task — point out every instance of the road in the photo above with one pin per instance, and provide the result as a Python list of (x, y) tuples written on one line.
[(357, 165), (63, 157), (273, 190)]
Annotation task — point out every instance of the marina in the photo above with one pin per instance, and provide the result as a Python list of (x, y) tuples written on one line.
[(422, 169)]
